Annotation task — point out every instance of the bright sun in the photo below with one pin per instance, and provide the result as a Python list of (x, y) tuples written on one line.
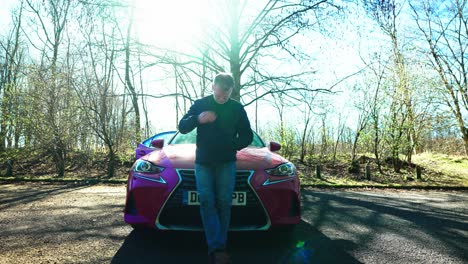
[(169, 23)]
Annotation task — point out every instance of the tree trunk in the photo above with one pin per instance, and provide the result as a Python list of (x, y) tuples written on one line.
[(323, 147), (303, 141), (59, 159), (9, 169), (235, 49), (129, 84), (403, 86), (464, 132), (111, 162), (353, 151), (7, 80), (376, 145), (4, 119)]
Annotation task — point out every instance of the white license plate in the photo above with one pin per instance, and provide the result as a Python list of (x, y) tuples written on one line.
[(238, 198)]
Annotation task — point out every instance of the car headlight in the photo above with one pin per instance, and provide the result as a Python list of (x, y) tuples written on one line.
[(147, 167), (285, 169)]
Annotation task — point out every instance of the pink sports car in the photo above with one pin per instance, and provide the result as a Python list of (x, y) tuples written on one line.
[(161, 191)]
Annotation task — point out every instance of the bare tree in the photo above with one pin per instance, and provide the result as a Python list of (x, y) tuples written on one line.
[(11, 65), (285, 135), (444, 25), (376, 84), (386, 13), (96, 86), (50, 22), (308, 104), (129, 80), (361, 104), (237, 43), (339, 135), (275, 25)]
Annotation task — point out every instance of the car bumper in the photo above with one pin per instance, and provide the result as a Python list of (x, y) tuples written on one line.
[(161, 205)]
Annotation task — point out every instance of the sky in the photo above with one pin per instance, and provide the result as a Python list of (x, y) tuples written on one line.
[(336, 58), (169, 23), (5, 11), (176, 23)]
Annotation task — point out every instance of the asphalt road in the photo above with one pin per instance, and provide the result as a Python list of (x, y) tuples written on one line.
[(83, 224)]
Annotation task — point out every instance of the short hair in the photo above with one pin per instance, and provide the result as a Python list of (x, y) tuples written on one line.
[(224, 80)]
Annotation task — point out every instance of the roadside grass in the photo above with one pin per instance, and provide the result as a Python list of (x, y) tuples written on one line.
[(438, 171), (450, 166), (81, 167)]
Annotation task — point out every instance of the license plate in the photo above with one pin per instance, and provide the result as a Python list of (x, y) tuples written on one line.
[(238, 198)]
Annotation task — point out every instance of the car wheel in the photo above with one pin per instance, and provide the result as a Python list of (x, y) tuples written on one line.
[(139, 227), (286, 229), (289, 228), (146, 230)]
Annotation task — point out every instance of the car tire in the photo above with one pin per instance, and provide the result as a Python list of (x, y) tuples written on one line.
[(139, 227), (286, 229), (289, 228)]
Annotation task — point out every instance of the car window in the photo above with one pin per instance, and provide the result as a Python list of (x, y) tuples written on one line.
[(191, 138), (257, 141), (164, 135)]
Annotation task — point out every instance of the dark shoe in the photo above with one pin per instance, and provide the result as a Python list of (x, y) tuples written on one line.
[(221, 257), (211, 258)]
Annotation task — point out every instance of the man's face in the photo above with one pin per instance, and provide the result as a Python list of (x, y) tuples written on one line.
[(220, 95)]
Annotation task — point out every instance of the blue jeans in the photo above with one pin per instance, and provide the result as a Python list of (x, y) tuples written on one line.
[(215, 185)]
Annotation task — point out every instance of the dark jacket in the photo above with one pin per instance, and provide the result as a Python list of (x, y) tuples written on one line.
[(218, 141)]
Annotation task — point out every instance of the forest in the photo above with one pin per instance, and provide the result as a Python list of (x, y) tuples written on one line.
[(336, 82)]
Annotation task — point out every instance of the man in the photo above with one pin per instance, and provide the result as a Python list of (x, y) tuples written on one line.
[(222, 128)]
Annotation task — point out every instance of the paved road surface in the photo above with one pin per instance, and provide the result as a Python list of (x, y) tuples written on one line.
[(83, 224)]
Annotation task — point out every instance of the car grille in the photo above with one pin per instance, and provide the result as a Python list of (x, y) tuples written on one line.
[(176, 215)]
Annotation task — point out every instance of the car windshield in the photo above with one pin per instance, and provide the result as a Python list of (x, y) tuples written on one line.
[(164, 135), (191, 138)]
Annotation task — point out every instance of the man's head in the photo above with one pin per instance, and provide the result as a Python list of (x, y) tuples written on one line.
[(222, 87)]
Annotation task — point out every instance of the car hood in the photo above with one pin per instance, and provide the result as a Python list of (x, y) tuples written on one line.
[(183, 156)]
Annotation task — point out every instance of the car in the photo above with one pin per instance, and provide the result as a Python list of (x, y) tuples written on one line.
[(161, 191), (146, 146)]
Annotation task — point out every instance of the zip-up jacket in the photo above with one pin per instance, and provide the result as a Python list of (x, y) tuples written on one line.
[(218, 141)]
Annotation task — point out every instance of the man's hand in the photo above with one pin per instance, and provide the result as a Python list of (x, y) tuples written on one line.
[(206, 117)]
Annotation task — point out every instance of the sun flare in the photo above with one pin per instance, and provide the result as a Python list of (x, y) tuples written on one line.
[(169, 23)]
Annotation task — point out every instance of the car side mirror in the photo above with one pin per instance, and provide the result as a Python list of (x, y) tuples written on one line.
[(275, 146), (157, 143)]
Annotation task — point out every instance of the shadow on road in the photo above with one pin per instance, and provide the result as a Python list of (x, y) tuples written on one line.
[(303, 245), (368, 220), (12, 196)]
